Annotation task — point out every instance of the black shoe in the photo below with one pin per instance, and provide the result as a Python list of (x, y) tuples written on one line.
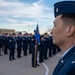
[(43, 61), (50, 56), (34, 66), (10, 59), (0, 54), (19, 56), (40, 61), (14, 59), (25, 55), (5, 53), (47, 58), (37, 65)]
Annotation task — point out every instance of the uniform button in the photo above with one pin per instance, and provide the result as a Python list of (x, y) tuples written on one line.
[(62, 61)]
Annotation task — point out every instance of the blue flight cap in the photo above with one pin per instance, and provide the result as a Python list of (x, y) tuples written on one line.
[(64, 7), (19, 33), (35, 31)]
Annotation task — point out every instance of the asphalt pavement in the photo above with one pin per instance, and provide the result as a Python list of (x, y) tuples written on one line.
[(22, 66)]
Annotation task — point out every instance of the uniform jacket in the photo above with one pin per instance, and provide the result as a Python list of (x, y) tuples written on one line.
[(41, 45), (6, 41), (25, 41), (1, 41), (12, 43), (19, 41), (66, 65)]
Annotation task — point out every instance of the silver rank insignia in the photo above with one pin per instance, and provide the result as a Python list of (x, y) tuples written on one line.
[(56, 9)]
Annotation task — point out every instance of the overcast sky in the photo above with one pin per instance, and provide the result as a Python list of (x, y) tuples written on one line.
[(22, 15)]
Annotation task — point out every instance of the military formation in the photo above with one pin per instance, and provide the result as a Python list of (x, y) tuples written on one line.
[(24, 44)]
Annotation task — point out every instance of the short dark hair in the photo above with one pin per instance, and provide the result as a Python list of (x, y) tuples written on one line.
[(68, 18), (13, 34)]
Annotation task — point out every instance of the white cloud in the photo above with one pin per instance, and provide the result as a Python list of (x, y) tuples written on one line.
[(22, 24), (11, 20), (9, 11), (18, 9), (37, 3)]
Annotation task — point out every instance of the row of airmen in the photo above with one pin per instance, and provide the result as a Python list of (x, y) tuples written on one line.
[(26, 42)]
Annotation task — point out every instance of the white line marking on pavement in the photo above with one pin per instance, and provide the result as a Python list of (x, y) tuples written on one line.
[(47, 69)]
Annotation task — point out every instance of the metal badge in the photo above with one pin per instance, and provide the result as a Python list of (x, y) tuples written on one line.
[(56, 9), (62, 61)]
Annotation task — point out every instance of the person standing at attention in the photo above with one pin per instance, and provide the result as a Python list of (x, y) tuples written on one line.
[(63, 34)]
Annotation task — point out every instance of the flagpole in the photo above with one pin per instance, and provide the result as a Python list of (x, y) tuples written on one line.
[(35, 52)]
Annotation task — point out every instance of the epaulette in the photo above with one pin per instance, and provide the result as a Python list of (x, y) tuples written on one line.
[(74, 53)]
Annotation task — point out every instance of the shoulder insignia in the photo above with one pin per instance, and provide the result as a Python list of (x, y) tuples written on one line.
[(10, 40), (32, 39), (73, 62), (74, 53)]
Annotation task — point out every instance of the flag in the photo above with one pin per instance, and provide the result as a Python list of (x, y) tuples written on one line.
[(37, 35), (37, 28)]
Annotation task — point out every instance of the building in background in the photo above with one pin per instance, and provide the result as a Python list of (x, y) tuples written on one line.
[(23, 32), (9, 31)]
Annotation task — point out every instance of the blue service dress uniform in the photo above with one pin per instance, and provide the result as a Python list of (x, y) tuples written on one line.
[(6, 44), (50, 46), (1, 44), (30, 45), (45, 48), (19, 46), (41, 51), (34, 51), (66, 65), (25, 45), (12, 43)]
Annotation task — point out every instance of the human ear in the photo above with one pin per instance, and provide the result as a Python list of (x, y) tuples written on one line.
[(70, 30)]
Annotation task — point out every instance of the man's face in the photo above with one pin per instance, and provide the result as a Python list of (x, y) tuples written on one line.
[(58, 31), (20, 35), (14, 36)]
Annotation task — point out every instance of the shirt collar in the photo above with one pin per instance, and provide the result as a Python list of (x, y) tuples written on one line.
[(67, 51)]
